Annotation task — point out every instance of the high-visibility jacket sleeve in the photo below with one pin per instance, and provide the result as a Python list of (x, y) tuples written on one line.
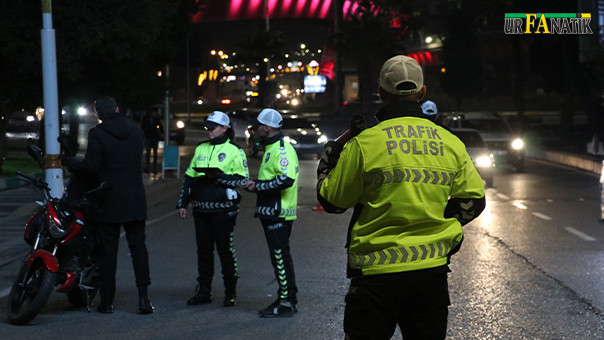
[(343, 185)]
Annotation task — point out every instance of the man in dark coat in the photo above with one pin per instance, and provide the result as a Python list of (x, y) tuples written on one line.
[(153, 129), (113, 156)]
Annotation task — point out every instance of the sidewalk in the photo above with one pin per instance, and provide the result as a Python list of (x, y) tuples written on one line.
[(156, 189)]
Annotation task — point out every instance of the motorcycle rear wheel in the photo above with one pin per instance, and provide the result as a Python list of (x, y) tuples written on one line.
[(29, 292)]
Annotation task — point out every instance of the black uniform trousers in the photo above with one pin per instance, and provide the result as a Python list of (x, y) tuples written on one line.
[(135, 236), (210, 229), (277, 235), (151, 146), (417, 301)]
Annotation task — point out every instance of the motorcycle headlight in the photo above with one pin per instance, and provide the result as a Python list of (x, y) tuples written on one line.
[(322, 139), (180, 124), (54, 227), (517, 144)]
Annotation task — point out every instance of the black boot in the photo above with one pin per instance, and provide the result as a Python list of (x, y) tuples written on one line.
[(144, 304), (230, 299), (230, 292), (204, 295)]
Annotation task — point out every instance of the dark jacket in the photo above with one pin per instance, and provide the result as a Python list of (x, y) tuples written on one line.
[(152, 127), (113, 156)]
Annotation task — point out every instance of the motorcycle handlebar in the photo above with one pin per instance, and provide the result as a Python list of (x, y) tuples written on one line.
[(32, 180)]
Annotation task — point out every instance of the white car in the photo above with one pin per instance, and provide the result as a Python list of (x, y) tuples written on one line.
[(481, 156), (506, 147)]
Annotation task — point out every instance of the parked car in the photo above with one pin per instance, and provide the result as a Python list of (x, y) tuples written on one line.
[(506, 147), (21, 127), (304, 136), (481, 156)]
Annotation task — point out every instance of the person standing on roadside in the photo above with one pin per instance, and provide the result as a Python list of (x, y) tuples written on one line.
[(412, 185), (217, 169), (153, 129), (113, 155), (277, 196)]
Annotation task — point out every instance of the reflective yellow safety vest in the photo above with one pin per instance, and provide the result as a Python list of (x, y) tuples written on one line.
[(213, 193), (277, 183), (402, 171)]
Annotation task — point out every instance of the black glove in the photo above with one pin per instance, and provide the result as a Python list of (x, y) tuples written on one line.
[(70, 163), (357, 125)]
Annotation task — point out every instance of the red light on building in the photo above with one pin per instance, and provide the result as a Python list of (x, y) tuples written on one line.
[(255, 9)]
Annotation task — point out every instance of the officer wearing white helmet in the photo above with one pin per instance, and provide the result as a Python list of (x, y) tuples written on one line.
[(217, 169)]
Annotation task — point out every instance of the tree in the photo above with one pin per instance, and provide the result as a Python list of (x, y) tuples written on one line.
[(463, 76), (103, 47), (368, 40)]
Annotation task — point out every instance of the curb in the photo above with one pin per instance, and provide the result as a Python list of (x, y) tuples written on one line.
[(588, 163)]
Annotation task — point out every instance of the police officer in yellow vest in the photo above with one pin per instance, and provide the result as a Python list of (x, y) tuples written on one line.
[(412, 186), (277, 189), (211, 185)]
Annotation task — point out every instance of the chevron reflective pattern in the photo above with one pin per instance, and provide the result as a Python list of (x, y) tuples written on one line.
[(410, 175), (265, 211), (212, 205), (233, 253), (231, 183), (400, 255), (282, 277), (288, 212), (272, 184)]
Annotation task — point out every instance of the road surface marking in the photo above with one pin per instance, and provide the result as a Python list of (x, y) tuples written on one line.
[(580, 234), (502, 196), (543, 217), (519, 205)]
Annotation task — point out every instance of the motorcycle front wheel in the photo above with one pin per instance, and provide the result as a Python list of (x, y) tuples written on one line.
[(29, 293)]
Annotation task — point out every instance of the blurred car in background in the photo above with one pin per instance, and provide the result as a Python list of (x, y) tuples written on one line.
[(176, 128), (241, 120), (304, 135), (481, 156), (506, 147), (22, 125)]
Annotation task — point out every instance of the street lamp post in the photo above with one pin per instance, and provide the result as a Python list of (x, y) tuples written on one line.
[(52, 164)]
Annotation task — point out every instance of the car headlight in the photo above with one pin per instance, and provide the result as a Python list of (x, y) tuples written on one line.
[(517, 144), (322, 140), (290, 140), (484, 161), (180, 124)]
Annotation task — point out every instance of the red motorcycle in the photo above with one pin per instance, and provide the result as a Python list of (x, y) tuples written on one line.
[(62, 254)]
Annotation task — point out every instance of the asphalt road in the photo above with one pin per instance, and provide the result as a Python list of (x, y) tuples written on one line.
[(531, 267)]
